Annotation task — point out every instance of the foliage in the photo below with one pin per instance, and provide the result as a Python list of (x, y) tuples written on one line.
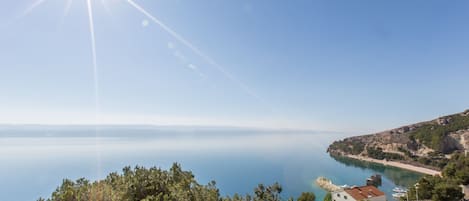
[(444, 188), (138, 184), (406, 152), (447, 192), (458, 169), (377, 153), (307, 196), (433, 135), (351, 146), (328, 197), (269, 193), (155, 184), (437, 189), (425, 189), (434, 161)]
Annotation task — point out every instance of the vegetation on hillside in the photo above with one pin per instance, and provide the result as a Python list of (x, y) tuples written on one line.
[(447, 187), (436, 188), (434, 161), (349, 145), (458, 169), (377, 153), (155, 184), (433, 135)]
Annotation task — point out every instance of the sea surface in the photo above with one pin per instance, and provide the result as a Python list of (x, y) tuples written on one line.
[(35, 159)]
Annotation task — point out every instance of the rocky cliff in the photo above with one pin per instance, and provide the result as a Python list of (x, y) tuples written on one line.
[(428, 143)]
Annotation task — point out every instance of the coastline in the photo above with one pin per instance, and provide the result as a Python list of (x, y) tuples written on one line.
[(396, 164)]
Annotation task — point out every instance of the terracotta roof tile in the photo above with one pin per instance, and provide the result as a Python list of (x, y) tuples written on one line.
[(364, 192)]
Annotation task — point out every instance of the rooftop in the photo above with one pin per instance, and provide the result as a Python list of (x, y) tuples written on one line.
[(364, 192)]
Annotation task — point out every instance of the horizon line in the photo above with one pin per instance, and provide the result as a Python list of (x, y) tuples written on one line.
[(200, 126)]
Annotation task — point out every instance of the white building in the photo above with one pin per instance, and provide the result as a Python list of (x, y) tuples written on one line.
[(363, 193)]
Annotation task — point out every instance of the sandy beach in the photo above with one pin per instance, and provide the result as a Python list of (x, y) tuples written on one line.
[(398, 165)]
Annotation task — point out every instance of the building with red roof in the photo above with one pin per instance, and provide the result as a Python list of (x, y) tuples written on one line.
[(362, 193)]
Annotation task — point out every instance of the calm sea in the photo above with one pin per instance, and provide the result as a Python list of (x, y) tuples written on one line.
[(35, 159)]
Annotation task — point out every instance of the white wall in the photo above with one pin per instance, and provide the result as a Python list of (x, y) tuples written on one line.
[(341, 196), (344, 196), (381, 198)]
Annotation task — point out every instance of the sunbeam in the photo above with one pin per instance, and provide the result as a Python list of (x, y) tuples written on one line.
[(67, 8), (23, 14), (106, 7), (96, 84), (93, 52), (197, 51), (32, 7)]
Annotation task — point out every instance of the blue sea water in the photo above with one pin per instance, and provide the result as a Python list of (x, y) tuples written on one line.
[(35, 159)]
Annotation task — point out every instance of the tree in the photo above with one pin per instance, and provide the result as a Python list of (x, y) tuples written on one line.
[(458, 169), (153, 184), (437, 189), (426, 185), (269, 193), (447, 192), (307, 196)]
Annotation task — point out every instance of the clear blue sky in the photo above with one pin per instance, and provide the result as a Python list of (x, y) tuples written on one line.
[(358, 66)]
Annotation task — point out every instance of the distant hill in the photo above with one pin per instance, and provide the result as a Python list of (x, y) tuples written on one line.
[(428, 143)]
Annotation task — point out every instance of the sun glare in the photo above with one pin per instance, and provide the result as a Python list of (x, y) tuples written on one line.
[(151, 18)]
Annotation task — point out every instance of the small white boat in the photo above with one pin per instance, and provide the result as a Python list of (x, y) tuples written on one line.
[(399, 190), (398, 195), (345, 186)]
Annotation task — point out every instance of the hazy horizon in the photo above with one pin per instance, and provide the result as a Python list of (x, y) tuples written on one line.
[(243, 92)]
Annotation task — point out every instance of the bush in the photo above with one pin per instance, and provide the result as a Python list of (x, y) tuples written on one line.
[(377, 153), (154, 184), (307, 196), (328, 197)]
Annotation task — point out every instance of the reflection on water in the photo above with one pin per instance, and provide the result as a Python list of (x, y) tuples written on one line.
[(38, 158), (399, 176)]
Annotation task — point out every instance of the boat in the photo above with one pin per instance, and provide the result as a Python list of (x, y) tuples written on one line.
[(398, 195), (345, 186), (399, 190)]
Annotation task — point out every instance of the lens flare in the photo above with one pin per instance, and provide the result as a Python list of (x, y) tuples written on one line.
[(32, 7), (96, 87), (197, 51)]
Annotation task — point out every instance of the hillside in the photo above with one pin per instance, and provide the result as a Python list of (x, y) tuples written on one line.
[(428, 143)]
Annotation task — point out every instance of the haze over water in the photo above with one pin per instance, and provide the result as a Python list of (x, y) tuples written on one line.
[(35, 159), (304, 65)]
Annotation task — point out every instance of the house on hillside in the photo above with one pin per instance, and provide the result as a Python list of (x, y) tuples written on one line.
[(363, 193)]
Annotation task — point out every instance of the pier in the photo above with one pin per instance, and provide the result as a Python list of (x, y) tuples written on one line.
[(327, 184)]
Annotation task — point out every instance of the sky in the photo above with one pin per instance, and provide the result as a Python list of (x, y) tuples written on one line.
[(340, 65)]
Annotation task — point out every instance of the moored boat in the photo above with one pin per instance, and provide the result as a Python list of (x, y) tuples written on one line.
[(399, 190), (398, 195)]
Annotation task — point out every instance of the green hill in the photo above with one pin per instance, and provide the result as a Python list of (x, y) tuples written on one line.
[(428, 143)]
